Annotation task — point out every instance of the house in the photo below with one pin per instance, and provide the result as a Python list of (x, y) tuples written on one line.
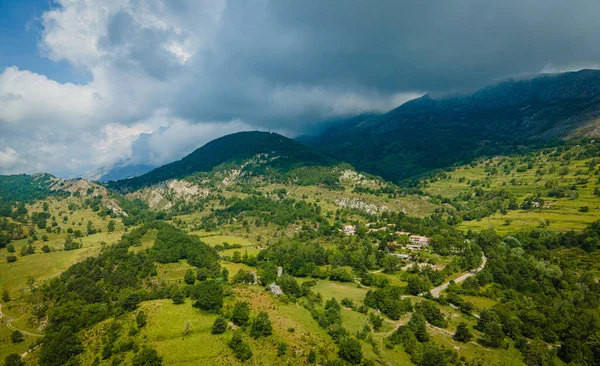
[(419, 240), (402, 233), (349, 229)]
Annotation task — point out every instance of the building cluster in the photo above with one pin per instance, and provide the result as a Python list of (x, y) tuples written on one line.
[(417, 242)]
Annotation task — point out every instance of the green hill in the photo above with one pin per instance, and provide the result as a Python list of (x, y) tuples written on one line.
[(283, 153)]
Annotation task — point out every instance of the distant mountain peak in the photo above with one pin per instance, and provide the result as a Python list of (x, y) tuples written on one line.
[(122, 169)]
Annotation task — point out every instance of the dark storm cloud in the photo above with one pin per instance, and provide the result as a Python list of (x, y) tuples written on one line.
[(186, 71)]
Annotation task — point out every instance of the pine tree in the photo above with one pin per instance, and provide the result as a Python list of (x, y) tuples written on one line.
[(463, 334)]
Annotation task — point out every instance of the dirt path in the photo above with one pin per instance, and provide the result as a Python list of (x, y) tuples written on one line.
[(9, 322), (438, 290)]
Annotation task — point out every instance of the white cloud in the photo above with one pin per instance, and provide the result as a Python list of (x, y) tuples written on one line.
[(8, 159), (30, 99)]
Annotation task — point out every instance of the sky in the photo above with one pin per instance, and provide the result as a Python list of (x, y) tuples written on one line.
[(85, 83)]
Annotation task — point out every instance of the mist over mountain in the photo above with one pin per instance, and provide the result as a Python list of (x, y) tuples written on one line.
[(427, 132)]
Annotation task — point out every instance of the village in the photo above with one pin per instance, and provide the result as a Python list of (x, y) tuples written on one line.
[(413, 244)]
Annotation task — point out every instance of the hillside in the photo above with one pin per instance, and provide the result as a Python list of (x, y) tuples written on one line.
[(284, 154), (429, 132)]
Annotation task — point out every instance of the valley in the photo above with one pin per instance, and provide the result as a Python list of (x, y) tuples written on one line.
[(269, 257)]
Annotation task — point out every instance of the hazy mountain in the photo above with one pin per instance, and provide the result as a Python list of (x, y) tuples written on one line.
[(430, 132), (120, 170)]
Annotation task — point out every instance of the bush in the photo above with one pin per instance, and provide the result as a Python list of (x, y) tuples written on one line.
[(241, 350), (10, 248), (178, 297), (189, 277), (141, 319), (241, 313), (147, 357), (219, 326), (13, 359), (281, 349), (350, 350), (17, 337), (261, 326), (11, 258), (463, 334), (208, 295)]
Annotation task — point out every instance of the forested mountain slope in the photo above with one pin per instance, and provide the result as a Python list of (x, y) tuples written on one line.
[(285, 154), (431, 132)]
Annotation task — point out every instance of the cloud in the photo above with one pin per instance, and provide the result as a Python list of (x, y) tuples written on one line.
[(167, 76), (8, 159)]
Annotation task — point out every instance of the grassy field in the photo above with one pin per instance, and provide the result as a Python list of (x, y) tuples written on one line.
[(339, 290), (547, 171)]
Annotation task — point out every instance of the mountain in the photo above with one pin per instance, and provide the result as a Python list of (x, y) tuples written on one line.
[(120, 170), (280, 154), (427, 132)]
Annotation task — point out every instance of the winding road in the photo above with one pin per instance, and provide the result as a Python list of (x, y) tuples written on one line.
[(438, 290), (9, 322)]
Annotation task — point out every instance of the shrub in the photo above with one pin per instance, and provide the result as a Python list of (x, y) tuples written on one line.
[(147, 357), (13, 359), (463, 334), (219, 326), (350, 350), (241, 350), (261, 326), (17, 337), (241, 313)]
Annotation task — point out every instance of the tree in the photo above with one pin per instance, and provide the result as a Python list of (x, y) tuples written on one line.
[(350, 350), (141, 319), (418, 326), (241, 350), (241, 313), (46, 249), (493, 336), (208, 295), (219, 326), (59, 347), (416, 285), (237, 257), (17, 337), (189, 278), (261, 326), (535, 353), (431, 312), (13, 359), (5, 296), (463, 334), (178, 297), (111, 226), (147, 357), (10, 248)]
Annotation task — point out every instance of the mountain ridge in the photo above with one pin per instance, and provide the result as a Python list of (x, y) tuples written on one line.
[(235, 147), (428, 133)]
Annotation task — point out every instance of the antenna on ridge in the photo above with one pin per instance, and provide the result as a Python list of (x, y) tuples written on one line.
[(269, 129)]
